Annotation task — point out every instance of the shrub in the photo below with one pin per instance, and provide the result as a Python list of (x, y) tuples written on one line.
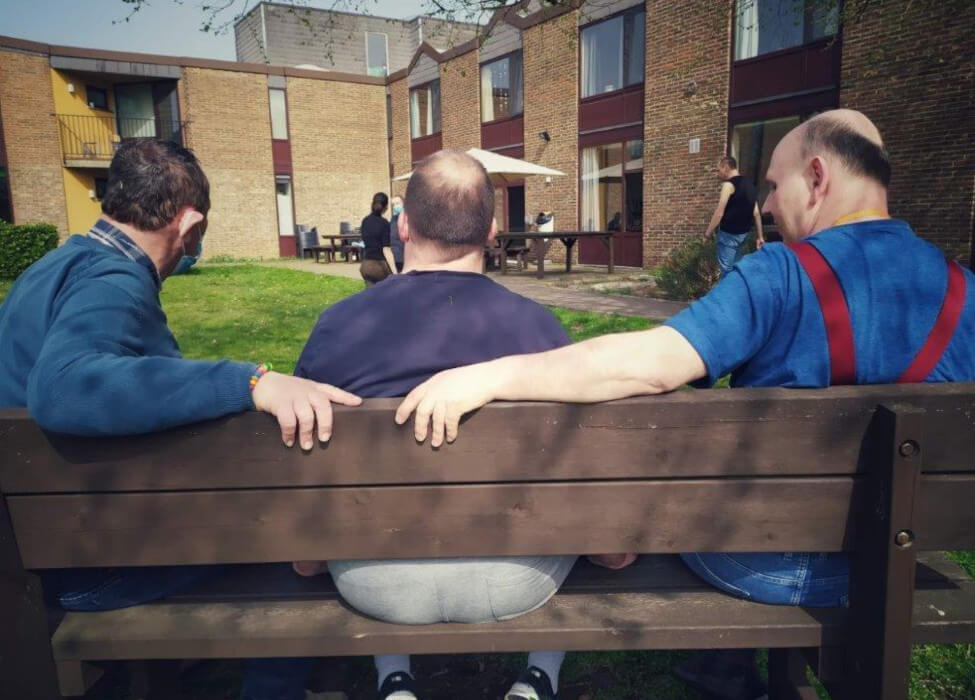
[(21, 246), (691, 270)]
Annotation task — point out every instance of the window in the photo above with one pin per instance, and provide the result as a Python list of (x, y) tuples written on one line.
[(425, 110), (613, 53), (101, 185), (6, 209), (96, 97), (279, 114), (282, 192), (376, 62), (501, 88), (763, 26), (752, 145), (612, 187)]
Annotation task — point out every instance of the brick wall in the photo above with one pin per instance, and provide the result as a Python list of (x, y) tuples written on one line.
[(687, 73), (230, 132), (460, 116), (910, 68), (551, 76), (338, 150), (400, 148), (31, 139)]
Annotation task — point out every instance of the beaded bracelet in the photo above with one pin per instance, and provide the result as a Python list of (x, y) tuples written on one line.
[(259, 372)]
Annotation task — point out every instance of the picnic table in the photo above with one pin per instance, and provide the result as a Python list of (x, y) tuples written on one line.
[(337, 243), (543, 240)]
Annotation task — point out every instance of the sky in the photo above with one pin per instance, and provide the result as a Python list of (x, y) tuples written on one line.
[(167, 27)]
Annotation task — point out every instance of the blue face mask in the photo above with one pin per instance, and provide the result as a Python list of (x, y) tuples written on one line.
[(397, 209)]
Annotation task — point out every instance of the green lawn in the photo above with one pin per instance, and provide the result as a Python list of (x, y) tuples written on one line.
[(262, 314)]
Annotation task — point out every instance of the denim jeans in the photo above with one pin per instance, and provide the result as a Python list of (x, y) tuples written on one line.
[(91, 590), (729, 250), (793, 578)]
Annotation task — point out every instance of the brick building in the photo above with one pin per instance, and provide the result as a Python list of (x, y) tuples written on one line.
[(281, 146), (633, 100)]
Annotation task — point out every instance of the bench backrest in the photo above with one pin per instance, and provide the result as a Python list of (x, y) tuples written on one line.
[(723, 470)]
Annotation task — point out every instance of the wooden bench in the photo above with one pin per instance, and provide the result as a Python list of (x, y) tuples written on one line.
[(886, 472)]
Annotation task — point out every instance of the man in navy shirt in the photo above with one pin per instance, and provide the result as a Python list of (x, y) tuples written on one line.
[(441, 313), (763, 324)]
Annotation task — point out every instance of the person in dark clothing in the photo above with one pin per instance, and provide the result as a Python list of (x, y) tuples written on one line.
[(737, 209), (395, 242), (442, 313), (377, 257)]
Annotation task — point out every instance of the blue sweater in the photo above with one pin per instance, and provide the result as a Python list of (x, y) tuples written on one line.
[(85, 347)]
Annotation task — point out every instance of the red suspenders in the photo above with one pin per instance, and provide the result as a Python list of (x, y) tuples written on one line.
[(839, 330)]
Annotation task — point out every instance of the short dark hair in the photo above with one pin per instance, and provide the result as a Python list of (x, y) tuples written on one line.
[(450, 200), (729, 161), (150, 180), (859, 154)]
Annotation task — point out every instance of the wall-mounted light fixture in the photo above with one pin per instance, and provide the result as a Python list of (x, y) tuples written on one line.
[(70, 88), (545, 136)]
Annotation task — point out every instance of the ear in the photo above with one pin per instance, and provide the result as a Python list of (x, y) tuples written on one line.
[(186, 219), (818, 177), (493, 232), (403, 226)]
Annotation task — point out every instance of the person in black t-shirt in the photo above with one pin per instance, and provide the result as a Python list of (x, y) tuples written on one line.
[(377, 256), (732, 219)]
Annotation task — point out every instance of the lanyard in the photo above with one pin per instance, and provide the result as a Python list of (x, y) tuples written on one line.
[(860, 215)]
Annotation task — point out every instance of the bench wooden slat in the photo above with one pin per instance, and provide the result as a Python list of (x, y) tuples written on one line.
[(740, 432), (205, 527), (655, 618)]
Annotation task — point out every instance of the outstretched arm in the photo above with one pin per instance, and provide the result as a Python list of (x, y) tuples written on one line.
[(601, 369)]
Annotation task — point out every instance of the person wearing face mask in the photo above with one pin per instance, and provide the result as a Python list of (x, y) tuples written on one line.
[(395, 242), (85, 346)]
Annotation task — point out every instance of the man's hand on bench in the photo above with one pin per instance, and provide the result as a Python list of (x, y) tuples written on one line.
[(299, 404), (444, 399)]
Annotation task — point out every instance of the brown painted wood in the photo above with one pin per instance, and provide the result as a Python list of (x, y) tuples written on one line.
[(245, 525), (76, 677), (669, 620), (714, 433), (787, 676)]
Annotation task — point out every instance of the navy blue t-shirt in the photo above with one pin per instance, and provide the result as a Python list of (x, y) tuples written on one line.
[(763, 322), (391, 337)]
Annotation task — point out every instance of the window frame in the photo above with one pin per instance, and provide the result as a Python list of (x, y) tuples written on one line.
[(806, 41), (104, 94), (386, 50), (439, 117), (504, 57), (270, 108), (635, 9), (624, 171)]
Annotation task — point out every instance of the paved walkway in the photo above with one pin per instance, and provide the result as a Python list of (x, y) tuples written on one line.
[(550, 291)]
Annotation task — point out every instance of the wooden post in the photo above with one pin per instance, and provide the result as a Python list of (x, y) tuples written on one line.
[(882, 576), (27, 670)]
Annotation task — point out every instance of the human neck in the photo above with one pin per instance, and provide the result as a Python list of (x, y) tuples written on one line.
[(155, 244), (471, 262), (867, 198)]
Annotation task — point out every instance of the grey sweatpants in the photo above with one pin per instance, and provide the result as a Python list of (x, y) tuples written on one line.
[(424, 591)]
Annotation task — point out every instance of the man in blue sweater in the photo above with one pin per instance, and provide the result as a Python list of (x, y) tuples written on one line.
[(84, 345)]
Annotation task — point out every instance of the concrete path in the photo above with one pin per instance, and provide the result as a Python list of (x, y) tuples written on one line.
[(550, 291)]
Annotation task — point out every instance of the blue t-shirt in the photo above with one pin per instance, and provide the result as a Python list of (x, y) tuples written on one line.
[(395, 335), (763, 322)]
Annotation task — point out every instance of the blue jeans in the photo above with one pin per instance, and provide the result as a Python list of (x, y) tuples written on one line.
[(729, 250), (91, 590), (793, 578)]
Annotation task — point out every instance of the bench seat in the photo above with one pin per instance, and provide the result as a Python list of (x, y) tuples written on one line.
[(265, 610)]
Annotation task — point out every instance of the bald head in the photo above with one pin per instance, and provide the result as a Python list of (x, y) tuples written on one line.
[(450, 201), (851, 138)]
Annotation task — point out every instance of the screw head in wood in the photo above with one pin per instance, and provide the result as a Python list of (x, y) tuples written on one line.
[(904, 539), (909, 448)]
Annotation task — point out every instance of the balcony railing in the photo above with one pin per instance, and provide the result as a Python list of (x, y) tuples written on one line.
[(90, 140)]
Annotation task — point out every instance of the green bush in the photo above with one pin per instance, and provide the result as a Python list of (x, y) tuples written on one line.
[(691, 270), (21, 246)]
